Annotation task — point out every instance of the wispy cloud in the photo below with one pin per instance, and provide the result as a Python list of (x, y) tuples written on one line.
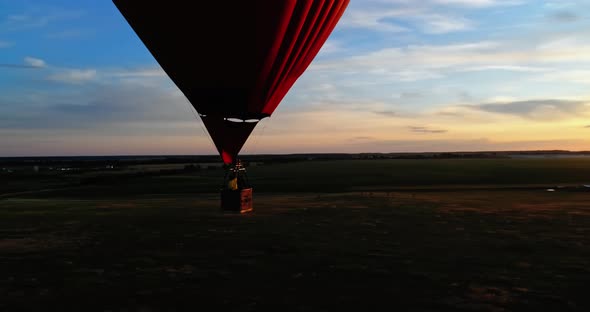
[(39, 17), (548, 109), (74, 76), (442, 24), (28, 62), (16, 66), (375, 19), (391, 20), (564, 16), (465, 145), (330, 47), (429, 16), (6, 44), (512, 68), (139, 72), (539, 59), (34, 62), (147, 76), (449, 114), (479, 55), (387, 113), (96, 105), (419, 129), (581, 76), (478, 3), (69, 34), (414, 62), (361, 139)]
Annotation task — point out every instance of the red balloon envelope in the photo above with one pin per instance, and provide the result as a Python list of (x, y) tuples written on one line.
[(233, 60)]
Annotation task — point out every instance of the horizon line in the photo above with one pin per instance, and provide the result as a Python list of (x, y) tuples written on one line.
[(311, 153)]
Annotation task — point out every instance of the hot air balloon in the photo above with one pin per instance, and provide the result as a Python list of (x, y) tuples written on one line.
[(233, 60)]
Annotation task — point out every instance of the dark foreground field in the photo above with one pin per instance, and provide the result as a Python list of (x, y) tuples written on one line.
[(479, 249)]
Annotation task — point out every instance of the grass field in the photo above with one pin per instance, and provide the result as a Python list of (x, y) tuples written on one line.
[(318, 176), (420, 235)]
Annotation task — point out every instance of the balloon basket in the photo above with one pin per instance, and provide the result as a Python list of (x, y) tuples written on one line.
[(236, 193), (237, 201)]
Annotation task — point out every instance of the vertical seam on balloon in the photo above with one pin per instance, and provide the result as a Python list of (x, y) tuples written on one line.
[(320, 37), (325, 34), (304, 37), (258, 99), (286, 47), (333, 16)]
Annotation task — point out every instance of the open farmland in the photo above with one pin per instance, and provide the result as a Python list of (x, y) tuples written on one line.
[(423, 235), (310, 176)]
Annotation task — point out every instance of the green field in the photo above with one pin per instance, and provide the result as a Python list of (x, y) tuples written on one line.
[(318, 176), (419, 235)]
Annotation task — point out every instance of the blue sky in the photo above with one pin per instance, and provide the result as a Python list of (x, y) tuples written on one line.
[(395, 76)]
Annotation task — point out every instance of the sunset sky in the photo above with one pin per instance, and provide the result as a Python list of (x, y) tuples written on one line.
[(395, 76)]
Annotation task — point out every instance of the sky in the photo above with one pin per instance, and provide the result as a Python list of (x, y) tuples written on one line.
[(394, 76)]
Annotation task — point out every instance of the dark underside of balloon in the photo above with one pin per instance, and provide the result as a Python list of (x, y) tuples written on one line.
[(235, 59), (228, 135)]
